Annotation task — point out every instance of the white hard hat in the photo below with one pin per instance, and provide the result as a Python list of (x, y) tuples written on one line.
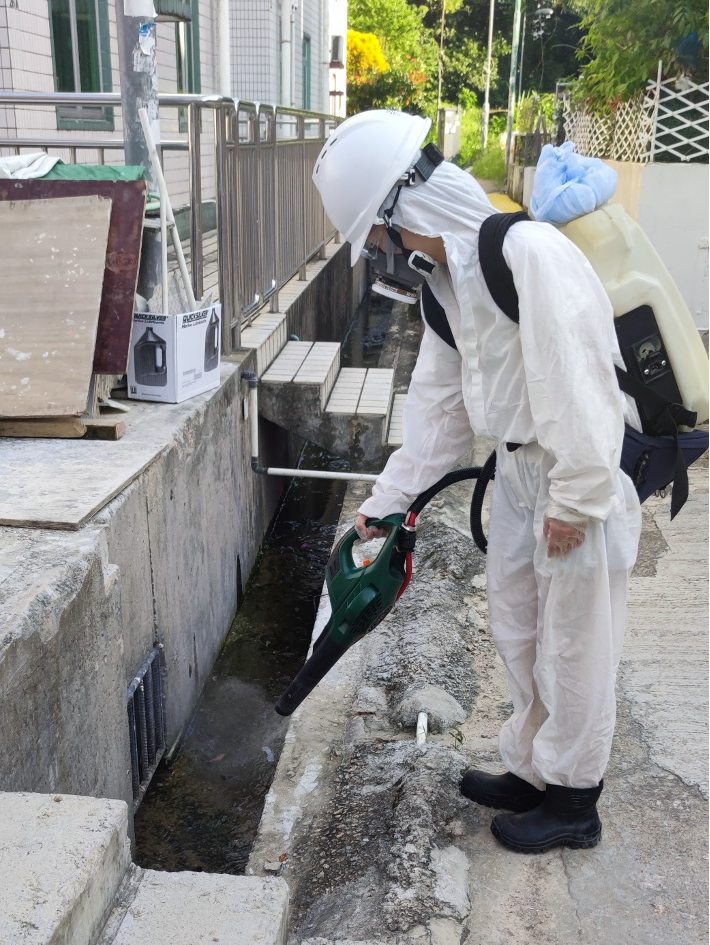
[(360, 163)]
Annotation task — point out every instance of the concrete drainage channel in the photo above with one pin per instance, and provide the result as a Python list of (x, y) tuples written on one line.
[(202, 811)]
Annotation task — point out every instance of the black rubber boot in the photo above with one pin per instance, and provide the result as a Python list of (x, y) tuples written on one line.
[(567, 818), (506, 791)]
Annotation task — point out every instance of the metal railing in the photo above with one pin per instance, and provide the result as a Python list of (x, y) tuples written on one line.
[(146, 723), (527, 146), (269, 220)]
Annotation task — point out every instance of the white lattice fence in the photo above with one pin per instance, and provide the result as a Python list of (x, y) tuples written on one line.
[(671, 117), (678, 115), (619, 135)]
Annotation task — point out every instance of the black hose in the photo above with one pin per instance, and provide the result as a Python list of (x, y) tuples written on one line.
[(483, 475), (479, 493), (458, 475)]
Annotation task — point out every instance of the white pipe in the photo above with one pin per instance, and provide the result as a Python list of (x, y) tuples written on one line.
[(254, 411), (223, 49), (164, 256), (286, 52), (321, 474), (422, 728), (292, 80), (489, 57), (164, 197)]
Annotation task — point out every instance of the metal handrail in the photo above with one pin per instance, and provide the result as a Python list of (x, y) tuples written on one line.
[(263, 157)]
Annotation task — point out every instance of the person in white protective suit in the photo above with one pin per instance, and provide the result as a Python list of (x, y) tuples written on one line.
[(565, 522)]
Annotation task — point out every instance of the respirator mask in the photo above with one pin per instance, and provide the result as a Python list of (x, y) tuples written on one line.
[(400, 272)]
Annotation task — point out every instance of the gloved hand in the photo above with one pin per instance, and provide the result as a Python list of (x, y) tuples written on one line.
[(562, 537), (367, 534)]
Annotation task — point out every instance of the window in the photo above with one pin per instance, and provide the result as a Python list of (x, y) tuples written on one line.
[(80, 52), (306, 61)]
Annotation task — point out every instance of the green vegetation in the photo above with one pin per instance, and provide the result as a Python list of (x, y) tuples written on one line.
[(615, 44), (626, 38), (490, 164)]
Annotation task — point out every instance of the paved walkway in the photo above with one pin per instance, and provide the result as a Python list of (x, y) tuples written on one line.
[(646, 882)]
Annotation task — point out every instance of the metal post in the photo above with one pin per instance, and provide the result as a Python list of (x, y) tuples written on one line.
[(224, 272), (656, 104), (321, 254), (522, 56), (277, 268), (489, 61), (236, 243), (512, 82), (135, 25), (197, 261), (302, 135)]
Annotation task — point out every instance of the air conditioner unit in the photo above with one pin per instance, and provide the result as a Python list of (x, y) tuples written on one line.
[(337, 52)]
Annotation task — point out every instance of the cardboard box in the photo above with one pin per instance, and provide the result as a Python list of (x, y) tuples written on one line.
[(174, 357)]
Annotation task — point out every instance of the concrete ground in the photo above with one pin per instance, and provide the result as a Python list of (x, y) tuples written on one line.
[(370, 831)]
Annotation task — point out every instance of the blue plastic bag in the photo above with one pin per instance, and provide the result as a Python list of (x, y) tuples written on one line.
[(568, 185)]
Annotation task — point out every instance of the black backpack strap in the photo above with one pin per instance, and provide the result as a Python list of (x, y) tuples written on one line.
[(435, 316), (496, 272)]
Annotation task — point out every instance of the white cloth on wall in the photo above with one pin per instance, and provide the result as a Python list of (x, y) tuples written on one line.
[(25, 166)]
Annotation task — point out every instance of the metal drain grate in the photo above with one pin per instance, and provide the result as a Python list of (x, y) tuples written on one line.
[(146, 723)]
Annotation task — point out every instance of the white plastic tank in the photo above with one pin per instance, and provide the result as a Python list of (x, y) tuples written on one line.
[(634, 275)]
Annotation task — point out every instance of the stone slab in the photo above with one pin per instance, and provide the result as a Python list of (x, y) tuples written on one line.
[(123, 253), (267, 334), (288, 363), (62, 483), (53, 254), (346, 392), (376, 396), (62, 859), (203, 908)]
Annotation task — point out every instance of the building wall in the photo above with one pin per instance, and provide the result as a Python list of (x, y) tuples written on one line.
[(26, 65), (256, 50)]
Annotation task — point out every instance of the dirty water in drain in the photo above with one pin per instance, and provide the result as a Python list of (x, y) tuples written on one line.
[(202, 812)]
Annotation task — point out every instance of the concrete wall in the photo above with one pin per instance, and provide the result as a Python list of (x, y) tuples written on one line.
[(673, 211), (80, 611)]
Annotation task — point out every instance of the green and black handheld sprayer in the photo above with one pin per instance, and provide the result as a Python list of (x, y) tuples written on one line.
[(361, 596)]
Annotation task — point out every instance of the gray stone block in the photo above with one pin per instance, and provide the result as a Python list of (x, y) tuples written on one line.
[(442, 710), (203, 908), (62, 859)]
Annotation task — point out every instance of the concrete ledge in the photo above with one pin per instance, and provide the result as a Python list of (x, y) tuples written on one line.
[(62, 859), (196, 908)]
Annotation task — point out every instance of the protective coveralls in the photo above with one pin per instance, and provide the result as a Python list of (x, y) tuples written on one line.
[(547, 383)]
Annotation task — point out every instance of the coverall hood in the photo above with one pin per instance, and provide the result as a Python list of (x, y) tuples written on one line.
[(452, 205)]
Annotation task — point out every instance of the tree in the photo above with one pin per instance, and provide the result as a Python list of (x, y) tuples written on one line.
[(409, 49), (626, 38), (366, 60)]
